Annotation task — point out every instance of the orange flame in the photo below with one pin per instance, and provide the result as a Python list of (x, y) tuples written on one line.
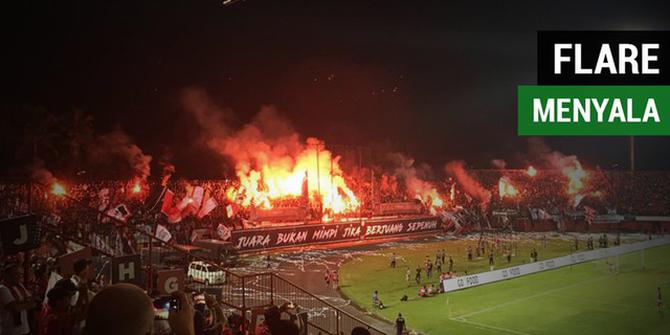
[(426, 193), (314, 174), (431, 199)]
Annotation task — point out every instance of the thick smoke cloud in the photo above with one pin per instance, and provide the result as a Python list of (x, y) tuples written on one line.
[(213, 120), (271, 161), (268, 140), (414, 176), (569, 166), (117, 144), (469, 184)]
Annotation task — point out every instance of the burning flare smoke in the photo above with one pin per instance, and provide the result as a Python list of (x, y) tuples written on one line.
[(506, 189), (270, 160), (119, 144), (40, 174), (571, 168), (469, 184), (417, 187)]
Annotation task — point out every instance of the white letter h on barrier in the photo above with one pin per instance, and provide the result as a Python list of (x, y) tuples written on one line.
[(126, 271)]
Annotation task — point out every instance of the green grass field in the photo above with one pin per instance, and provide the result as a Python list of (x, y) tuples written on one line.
[(582, 299)]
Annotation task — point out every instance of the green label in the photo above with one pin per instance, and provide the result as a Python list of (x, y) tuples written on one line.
[(593, 110)]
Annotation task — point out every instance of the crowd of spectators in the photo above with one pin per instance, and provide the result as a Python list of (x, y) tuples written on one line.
[(642, 191), (607, 192), (638, 193), (31, 302), (80, 304), (85, 303)]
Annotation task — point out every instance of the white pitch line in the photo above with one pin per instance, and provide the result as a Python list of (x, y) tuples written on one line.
[(485, 326), (511, 302), (542, 294)]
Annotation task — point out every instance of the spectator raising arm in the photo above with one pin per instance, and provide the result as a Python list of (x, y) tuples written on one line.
[(181, 321)]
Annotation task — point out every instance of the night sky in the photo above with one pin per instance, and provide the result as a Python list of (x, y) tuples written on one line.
[(433, 79)]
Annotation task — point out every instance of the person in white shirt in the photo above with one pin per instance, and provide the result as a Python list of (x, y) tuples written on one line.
[(83, 274), (83, 271), (15, 301)]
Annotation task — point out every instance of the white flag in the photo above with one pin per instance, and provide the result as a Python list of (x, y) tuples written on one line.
[(119, 212), (198, 194), (207, 207), (223, 232), (163, 233), (100, 244)]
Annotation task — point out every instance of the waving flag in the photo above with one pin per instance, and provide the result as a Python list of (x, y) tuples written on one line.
[(198, 202), (197, 195), (119, 212), (100, 244), (168, 200), (174, 216), (163, 233), (208, 205)]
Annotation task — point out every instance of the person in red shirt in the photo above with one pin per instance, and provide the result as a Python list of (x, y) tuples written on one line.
[(59, 320), (334, 279), (62, 317), (15, 302)]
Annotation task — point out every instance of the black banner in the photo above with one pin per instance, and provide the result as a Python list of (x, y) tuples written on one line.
[(170, 281), (625, 58), (66, 262), (19, 234), (127, 269), (287, 236), (401, 227), (294, 235)]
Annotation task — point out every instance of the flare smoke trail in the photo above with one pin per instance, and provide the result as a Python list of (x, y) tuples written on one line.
[(415, 180), (270, 159), (469, 184)]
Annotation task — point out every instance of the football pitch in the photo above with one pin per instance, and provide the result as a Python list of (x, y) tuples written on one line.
[(588, 298)]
